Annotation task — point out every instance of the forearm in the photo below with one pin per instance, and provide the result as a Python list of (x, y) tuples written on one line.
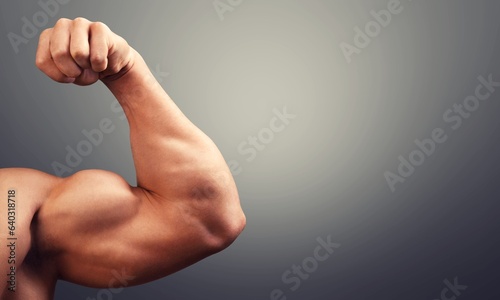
[(146, 104), (170, 153)]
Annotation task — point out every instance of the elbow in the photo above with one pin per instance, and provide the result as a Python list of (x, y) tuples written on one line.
[(225, 230), (224, 222), (218, 206), (233, 227)]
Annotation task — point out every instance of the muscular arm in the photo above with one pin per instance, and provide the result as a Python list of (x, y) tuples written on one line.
[(185, 206)]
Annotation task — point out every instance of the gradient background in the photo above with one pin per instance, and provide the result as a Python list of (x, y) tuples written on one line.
[(321, 176)]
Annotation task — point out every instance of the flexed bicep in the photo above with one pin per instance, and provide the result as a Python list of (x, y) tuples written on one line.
[(95, 225)]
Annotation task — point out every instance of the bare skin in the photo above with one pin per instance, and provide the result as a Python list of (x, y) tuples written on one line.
[(93, 228)]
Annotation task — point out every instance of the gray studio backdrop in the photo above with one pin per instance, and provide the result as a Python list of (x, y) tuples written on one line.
[(364, 135)]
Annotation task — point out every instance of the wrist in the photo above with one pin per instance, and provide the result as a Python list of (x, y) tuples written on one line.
[(134, 83)]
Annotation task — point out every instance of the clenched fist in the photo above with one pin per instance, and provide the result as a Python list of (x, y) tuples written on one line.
[(82, 52)]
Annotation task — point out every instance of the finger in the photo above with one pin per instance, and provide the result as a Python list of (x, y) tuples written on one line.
[(79, 44), (44, 60), (60, 49), (99, 46), (119, 55)]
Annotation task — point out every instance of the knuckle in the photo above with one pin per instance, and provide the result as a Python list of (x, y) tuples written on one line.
[(79, 54), (45, 33), (59, 53), (98, 62), (81, 20), (63, 22), (40, 62), (98, 59), (99, 26)]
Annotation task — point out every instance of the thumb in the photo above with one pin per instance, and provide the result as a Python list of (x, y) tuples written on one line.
[(87, 77)]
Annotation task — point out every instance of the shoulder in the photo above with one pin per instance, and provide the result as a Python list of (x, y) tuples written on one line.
[(25, 175), (19, 173), (32, 185), (25, 191)]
